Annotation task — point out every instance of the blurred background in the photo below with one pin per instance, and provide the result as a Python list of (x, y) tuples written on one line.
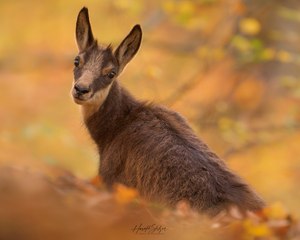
[(231, 67)]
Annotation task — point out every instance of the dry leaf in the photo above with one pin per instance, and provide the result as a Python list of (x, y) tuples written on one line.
[(124, 194), (250, 26)]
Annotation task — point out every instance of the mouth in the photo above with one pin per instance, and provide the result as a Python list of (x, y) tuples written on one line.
[(78, 100)]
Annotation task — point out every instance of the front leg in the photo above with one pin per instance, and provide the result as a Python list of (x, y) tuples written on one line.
[(107, 177), (110, 170)]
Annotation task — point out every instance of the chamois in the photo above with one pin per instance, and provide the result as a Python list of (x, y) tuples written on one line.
[(147, 146)]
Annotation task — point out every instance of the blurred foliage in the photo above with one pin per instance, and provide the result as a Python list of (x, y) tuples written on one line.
[(69, 208), (230, 67)]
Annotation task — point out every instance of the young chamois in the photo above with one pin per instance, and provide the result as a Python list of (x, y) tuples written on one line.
[(146, 146)]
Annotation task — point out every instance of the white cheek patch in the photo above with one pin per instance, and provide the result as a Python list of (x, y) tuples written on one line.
[(92, 105)]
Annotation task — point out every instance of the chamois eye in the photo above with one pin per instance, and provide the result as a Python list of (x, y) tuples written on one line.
[(112, 74), (76, 61)]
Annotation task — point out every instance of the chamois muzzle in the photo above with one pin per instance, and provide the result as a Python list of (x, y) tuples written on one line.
[(81, 90)]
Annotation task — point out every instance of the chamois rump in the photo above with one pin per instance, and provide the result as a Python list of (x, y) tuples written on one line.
[(147, 146)]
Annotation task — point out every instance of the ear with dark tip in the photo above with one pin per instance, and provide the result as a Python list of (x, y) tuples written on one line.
[(84, 35), (129, 47)]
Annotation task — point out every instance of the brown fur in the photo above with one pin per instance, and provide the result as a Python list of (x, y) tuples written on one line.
[(150, 147)]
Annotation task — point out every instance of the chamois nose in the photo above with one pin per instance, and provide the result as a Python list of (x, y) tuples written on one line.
[(81, 90)]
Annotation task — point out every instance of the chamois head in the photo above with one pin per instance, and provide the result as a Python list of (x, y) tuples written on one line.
[(96, 66)]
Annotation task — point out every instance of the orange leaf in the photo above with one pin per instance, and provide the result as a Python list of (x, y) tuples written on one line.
[(124, 194), (276, 211), (250, 26)]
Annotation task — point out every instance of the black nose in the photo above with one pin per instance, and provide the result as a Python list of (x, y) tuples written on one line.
[(80, 90)]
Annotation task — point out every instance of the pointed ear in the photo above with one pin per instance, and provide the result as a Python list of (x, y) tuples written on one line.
[(129, 47), (84, 35)]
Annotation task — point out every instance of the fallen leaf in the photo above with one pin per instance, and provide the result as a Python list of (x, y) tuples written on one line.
[(250, 26)]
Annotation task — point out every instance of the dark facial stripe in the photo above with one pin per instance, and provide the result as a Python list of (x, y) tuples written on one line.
[(102, 81)]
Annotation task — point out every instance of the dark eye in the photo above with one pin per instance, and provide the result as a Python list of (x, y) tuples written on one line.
[(76, 61), (112, 74)]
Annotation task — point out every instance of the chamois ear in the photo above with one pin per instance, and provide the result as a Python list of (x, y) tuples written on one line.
[(84, 35), (129, 47)]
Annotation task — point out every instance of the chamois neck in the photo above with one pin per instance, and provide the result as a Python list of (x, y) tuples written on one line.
[(104, 124)]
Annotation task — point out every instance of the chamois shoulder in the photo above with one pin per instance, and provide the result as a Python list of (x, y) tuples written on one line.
[(164, 115), (173, 122)]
